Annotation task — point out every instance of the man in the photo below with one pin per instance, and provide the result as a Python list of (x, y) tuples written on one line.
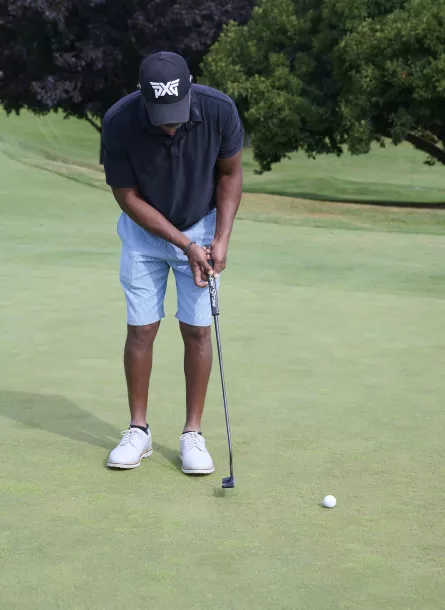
[(173, 161)]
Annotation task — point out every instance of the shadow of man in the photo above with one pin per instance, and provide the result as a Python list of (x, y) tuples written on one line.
[(58, 415)]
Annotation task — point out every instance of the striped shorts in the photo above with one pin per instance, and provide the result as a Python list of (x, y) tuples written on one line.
[(146, 261)]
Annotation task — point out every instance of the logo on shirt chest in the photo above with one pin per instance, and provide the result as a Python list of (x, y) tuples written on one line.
[(170, 88)]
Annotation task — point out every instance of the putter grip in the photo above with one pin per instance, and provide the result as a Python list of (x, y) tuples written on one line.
[(213, 292)]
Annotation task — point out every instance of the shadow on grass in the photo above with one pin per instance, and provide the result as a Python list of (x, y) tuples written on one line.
[(170, 455), (440, 205), (58, 415), (218, 492)]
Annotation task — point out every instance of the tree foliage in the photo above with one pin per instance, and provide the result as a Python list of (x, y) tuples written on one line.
[(81, 56), (328, 75)]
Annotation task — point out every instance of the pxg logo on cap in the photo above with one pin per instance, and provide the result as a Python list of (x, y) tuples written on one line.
[(170, 88), (165, 84)]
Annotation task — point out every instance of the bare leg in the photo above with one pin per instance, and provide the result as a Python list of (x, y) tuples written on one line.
[(138, 358), (197, 367)]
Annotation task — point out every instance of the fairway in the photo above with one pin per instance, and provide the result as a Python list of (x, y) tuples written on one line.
[(391, 174), (333, 339)]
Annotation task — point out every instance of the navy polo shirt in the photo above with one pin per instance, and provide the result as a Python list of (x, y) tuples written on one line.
[(175, 175)]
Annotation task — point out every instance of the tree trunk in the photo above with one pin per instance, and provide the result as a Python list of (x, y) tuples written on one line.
[(426, 146), (98, 128)]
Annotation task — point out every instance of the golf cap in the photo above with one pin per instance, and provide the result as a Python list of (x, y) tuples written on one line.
[(165, 83)]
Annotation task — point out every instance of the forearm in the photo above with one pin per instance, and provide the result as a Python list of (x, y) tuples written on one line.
[(228, 197), (147, 217)]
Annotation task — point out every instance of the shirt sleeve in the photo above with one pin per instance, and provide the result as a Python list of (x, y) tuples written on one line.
[(232, 135), (118, 170)]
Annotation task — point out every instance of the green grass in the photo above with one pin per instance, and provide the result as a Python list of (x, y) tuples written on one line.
[(334, 351), (65, 137), (385, 175), (392, 174)]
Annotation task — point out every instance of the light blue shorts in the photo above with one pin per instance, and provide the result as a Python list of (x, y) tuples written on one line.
[(145, 264)]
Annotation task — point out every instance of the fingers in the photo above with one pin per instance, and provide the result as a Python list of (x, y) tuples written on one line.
[(201, 268), (218, 264), (206, 267), (204, 276), (197, 276)]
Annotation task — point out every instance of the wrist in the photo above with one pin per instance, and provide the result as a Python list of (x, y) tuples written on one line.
[(181, 242), (223, 236), (188, 247)]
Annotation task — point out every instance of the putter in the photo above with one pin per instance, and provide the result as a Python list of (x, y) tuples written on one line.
[(227, 482)]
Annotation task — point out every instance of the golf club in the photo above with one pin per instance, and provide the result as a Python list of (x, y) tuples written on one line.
[(227, 482)]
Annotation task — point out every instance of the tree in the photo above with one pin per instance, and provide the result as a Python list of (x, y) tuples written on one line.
[(81, 56), (391, 68), (328, 75)]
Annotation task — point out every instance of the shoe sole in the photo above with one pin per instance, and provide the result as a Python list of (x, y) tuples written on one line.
[(130, 466), (186, 471)]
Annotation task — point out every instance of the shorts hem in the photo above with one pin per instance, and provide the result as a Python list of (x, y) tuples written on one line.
[(138, 322), (194, 322)]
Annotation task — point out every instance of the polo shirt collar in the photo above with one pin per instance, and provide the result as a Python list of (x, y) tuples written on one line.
[(195, 111), (144, 122)]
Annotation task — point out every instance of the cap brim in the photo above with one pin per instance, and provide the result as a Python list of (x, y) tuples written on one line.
[(165, 114)]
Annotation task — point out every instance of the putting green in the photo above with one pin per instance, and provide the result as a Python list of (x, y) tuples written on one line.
[(334, 352)]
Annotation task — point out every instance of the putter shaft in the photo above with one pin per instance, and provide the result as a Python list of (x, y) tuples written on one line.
[(227, 481), (223, 385)]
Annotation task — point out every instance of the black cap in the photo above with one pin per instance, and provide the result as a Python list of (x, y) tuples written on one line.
[(165, 83)]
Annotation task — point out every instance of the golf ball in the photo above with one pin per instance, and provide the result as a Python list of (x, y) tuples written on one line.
[(330, 501)]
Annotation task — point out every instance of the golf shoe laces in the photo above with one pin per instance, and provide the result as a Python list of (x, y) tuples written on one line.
[(193, 439), (128, 435)]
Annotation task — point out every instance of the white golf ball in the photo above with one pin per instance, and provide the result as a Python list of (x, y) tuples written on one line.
[(330, 501)]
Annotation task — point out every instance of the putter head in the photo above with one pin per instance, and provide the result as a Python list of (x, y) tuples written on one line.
[(228, 482)]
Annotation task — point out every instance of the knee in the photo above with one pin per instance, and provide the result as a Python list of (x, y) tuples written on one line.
[(142, 335), (196, 334)]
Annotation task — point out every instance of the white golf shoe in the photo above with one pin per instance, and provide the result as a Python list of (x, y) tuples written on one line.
[(194, 455), (134, 446)]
